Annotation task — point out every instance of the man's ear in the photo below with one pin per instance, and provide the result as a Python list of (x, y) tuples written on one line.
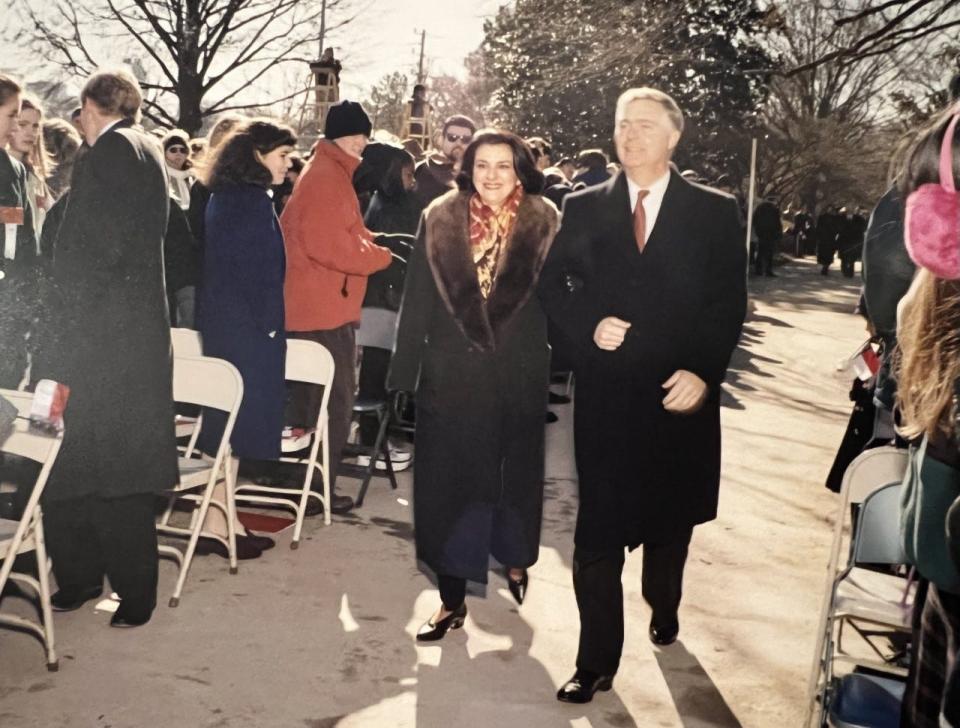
[(674, 139)]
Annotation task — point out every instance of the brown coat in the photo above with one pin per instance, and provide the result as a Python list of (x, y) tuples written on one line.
[(481, 371), (329, 251)]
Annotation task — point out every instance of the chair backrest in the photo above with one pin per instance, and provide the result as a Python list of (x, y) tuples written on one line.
[(877, 540), (378, 328), (308, 361), (208, 382), (186, 342), (872, 470)]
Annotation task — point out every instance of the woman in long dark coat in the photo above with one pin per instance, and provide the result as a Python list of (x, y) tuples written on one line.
[(472, 341), (242, 312)]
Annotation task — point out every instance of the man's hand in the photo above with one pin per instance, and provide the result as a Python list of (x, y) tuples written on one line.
[(610, 332), (685, 392)]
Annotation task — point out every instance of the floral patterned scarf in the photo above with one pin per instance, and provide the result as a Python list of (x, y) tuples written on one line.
[(489, 231)]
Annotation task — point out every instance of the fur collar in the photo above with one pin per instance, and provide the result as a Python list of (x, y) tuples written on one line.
[(448, 252)]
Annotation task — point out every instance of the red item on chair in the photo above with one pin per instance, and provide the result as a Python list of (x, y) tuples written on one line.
[(49, 402)]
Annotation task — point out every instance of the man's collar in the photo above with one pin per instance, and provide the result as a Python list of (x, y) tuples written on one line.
[(659, 186)]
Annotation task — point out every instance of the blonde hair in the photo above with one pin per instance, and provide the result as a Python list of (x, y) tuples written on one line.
[(645, 93), (225, 124), (40, 162), (929, 359), (116, 93)]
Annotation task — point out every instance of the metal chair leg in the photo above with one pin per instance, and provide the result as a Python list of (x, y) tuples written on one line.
[(374, 453)]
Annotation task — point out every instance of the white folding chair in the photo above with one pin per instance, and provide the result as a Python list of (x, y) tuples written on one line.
[(309, 362), (853, 594), (216, 384), (19, 537), (187, 342)]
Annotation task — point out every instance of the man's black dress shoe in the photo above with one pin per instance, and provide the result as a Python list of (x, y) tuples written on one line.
[(431, 632), (246, 548), (340, 504), (264, 543), (664, 636), (581, 687), (64, 601), (518, 588), (554, 398), (124, 621)]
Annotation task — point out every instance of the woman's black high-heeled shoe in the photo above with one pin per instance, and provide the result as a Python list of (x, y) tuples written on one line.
[(431, 632), (518, 587)]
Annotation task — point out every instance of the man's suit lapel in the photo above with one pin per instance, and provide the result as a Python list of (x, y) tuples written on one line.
[(619, 218), (666, 229)]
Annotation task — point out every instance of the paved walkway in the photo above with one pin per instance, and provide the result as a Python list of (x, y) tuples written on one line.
[(323, 636)]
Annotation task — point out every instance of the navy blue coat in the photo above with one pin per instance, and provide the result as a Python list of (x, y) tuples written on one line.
[(241, 320)]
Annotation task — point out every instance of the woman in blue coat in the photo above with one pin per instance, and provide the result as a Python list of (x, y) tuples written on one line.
[(242, 315)]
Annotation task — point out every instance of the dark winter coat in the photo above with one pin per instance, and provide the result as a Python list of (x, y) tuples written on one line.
[(481, 371), (18, 277), (181, 254), (887, 268), (766, 222), (646, 474), (434, 177), (398, 213), (828, 229), (242, 316), (850, 237), (108, 328)]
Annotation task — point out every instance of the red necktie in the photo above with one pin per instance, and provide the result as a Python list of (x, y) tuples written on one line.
[(640, 220)]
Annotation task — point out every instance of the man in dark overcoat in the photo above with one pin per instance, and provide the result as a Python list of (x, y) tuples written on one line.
[(109, 341), (645, 286)]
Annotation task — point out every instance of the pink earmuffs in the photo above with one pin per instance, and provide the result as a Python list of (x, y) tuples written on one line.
[(932, 223)]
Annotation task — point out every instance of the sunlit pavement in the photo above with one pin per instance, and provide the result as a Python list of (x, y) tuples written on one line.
[(323, 636)]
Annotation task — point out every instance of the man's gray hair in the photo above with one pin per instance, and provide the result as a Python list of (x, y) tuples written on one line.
[(646, 93), (115, 92)]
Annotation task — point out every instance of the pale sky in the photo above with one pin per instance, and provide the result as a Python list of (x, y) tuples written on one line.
[(386, 38)]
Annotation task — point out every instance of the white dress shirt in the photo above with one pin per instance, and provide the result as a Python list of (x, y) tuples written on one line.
[(109, 126), (651, 203)]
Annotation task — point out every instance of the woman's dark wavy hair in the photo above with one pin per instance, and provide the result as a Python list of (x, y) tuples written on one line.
[(922, 163), (524, 165), (234, 161)]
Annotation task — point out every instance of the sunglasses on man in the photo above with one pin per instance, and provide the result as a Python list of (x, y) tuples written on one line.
[(176, 149), (454, 138)]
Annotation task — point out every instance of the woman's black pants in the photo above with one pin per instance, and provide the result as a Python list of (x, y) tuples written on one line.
[(453, 591)]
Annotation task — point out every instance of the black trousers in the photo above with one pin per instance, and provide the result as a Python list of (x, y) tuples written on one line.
[(599, 591), (453, 590), (89, 538), (765, 252), (305, 398)]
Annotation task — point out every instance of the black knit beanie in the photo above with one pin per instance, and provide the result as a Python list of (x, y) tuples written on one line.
[(346, 118)]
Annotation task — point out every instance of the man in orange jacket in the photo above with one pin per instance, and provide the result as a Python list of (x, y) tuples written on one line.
[(330, 254)]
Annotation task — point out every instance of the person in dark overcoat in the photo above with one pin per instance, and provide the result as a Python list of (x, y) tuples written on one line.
[(109, 341), (18, 248), (646, 289), (769, 229), (242, 308), (472, 342), (828, 229)]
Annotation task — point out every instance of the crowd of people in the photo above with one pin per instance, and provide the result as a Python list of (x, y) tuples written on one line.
[(511, 264)]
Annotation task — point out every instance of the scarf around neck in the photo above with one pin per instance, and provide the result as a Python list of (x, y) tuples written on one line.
[(489, 231)]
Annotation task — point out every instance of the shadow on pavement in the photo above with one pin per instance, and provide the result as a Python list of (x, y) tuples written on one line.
[(696, 698), (502, 686)]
